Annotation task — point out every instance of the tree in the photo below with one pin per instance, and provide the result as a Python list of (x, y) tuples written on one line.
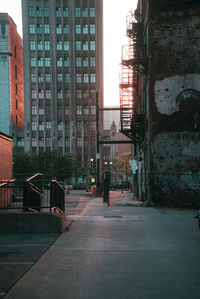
[(122, 163)]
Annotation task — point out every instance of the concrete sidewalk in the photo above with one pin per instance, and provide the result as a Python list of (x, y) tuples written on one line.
[(119, 252)]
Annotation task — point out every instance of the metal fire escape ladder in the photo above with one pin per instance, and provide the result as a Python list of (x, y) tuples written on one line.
[(128, 82)]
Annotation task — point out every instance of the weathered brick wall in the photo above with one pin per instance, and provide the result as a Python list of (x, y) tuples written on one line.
[(6, 160), (175, 104)]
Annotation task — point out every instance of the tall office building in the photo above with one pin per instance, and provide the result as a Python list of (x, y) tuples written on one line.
[(11, 81), (63, 70)]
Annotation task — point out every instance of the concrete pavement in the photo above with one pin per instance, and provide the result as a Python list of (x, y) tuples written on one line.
[(119, 252)]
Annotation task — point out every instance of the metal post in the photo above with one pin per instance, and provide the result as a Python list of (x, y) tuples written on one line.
[(97, 142)]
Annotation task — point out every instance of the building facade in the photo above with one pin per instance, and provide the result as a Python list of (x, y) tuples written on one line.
[(63, 62), (11, 78), (165, 126)]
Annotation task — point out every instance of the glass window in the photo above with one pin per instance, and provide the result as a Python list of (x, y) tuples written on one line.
[(32, 45), (40, 45), (33, 61), (60, 94), (78, 45), (31, 11), (33, 78), (78, 94), (48, 78), (32, 28), (59, 62), (58, 12), (47, 61), (39, 11), (67, 78), (41, 111), (34, 142), (40, 78), (93, 78), (60, 77), (78, 78), (67, 142), (41, 126), (59, 45), (86, 110), (85, 45), (40, 61), (59, 29), (34, 126), (39, 28), (66, 45), (48, 94), (92, 61), (34, 110), (78, 110), (65, 12), (92, 45), (78, 29), (85, 12), (33, 94), (79, 141), (85, 29), (47, 45), (41, 94), (78, 62), (46, 12), (92, 12), (48, 125), (85, 78), (93, 110), (86, 94), (46, 29), (67, 93), (77, 12), (92, 29), (60, 126), (66, 61), (66, 29), (67, 111), (85, 62)]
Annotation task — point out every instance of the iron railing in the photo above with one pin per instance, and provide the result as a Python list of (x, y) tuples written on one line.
[(33, 194)]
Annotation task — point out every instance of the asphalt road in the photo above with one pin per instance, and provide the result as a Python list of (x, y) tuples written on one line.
[(119, 252)]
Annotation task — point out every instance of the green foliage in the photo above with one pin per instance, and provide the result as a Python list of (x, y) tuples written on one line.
[(122, 162), (48, 163)]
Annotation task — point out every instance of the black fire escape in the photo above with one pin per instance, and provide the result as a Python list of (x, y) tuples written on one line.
[(133, 64)]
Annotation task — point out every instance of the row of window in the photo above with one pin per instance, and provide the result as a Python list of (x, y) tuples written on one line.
[(39, 12), (48, 141), (85, 29), (80, 94), (45, 45), (80, 110), (80, 29)]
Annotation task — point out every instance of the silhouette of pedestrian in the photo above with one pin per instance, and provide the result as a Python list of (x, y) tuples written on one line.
[(106, 187)]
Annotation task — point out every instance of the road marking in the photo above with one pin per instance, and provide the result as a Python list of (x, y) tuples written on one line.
[(24, 245), (17, 263)]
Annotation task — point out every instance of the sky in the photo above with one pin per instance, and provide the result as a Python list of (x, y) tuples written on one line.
[(115, 13)]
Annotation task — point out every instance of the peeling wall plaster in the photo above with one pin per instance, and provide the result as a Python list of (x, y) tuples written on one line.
[(167, 90), (175, 152)]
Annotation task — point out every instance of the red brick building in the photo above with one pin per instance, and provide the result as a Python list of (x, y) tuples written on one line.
[(12, 82), (6, 160)]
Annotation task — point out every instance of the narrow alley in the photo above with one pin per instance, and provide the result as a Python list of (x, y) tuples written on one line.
[(123, 251)]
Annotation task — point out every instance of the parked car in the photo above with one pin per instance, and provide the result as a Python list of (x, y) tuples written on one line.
[(124, 185)]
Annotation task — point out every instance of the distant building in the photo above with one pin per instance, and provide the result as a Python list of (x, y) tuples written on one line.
[(11, 80), (164, 67), (63, 62)]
